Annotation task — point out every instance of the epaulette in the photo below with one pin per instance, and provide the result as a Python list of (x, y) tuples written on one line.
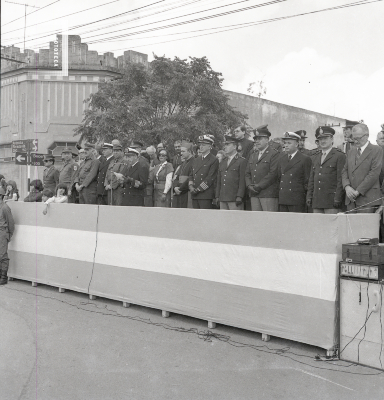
[(316, 151), (277, 151), (339, 150)]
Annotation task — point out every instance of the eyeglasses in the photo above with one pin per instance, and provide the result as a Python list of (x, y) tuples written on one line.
[(162, 155), (47, 160)]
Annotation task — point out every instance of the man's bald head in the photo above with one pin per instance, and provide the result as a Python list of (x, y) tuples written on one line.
[(360, 134)]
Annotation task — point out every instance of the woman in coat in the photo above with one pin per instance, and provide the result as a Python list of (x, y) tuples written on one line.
[(161, 178)]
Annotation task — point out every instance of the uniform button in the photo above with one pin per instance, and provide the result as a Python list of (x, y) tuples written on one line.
[(319, 182), (290, 182), (321, 167), (319, 173), (289, 189)]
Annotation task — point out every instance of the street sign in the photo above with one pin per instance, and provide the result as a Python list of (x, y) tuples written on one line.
[(21, 158), (37, 160), (25, 146)]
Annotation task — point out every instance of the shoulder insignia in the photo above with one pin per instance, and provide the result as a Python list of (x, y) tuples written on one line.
[(339, 150)]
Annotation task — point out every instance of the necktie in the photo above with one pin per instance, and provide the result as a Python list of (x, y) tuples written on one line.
[(358, 154), (323, 156)]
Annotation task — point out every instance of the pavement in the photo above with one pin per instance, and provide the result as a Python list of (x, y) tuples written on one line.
[(63, 346)]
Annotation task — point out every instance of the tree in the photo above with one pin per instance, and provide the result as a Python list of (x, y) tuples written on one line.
[(172, 99), (262, 90)]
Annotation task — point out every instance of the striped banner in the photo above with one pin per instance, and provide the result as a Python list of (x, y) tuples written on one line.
[(273, 273)]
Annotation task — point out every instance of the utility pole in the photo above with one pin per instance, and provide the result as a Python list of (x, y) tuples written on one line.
[(25, 14)]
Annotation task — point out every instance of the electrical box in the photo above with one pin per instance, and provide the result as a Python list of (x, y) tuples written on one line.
[(362, 316)]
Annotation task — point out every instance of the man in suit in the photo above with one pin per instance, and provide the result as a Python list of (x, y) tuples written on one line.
[(361, 173), (245, 145), (51, 174), (380, 142), (325, 190), (176, 160), (203, 175), (293, 170), (261, 173), (230, 188), (181, 196), (102, 196), (113, 187), (348, 140), (135, 178)]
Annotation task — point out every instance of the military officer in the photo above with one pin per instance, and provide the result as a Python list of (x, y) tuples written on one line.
[(325, 188), (67, 171), (7, 228), (51, 174), (303, 135), (113, 186), (176, 160), (181, 196), (293, 170), (107, 150), (136, 144), (203, 175), (86, 178), (230, 187), (261, 173), (135, 177)]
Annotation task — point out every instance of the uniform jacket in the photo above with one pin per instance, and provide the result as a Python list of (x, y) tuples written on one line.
[(182, 175), (245, 146), (87, 173), (231, 179), (306, 152), (67, 171), (293, 178), (176, 161), (325, 186), (101, 176), (203, 176), (139, 172), (51, 178), (263, 173), (116, 165), (363, 176)]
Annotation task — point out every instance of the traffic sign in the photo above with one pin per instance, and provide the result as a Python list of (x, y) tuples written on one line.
[(25, 146), (21, 158), (37, 160)]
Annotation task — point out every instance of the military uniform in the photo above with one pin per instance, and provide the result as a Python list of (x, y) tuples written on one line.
[(87, 177), (136, 179), (245, 148), (102, 197), (202, 177), (51, 178), (67, 172), (115, 195), (306, 152), (231, 183), (325, 188), (261, 175), (293, 175)]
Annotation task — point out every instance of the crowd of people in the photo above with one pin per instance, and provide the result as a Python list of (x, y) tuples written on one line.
[(258, 175), (255, 175)]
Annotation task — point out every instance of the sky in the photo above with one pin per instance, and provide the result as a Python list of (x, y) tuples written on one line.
[(330, 62)]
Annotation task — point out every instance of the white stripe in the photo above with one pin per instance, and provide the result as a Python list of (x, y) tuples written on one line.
[(287, 271), (324, 379)]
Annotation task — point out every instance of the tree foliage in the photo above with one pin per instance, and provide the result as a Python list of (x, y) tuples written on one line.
[(173, 99)]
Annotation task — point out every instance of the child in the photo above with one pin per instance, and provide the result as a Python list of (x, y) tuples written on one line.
[(12, 193), (47, 194), (61, 196)]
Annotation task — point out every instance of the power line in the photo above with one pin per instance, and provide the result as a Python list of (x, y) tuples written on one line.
[(41, 8), (195, 20), (262, 22)]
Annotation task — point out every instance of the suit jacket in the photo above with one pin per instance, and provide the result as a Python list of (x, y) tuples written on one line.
[(363, 176), (203, 176), (103, 168), (325, 186), (51, 178), (87, 172), (139, 172), (263, 173), (246, 146), (231, 179), (293, 176), (182, 175)]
